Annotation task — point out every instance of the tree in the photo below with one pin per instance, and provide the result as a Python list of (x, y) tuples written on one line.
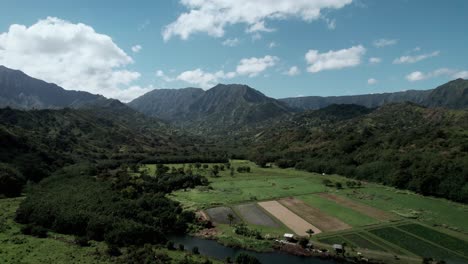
[(310, 232), (230, 218), (181, 247), (11, 181)]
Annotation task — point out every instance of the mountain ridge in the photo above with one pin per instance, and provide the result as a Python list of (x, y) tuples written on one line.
[(21, 91)]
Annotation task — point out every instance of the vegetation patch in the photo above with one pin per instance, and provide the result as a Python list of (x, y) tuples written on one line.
[(416, 245), (362, 242), (437, 237)]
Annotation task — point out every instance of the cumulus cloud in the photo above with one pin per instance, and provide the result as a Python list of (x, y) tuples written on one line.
[(254, 66), (375, 60), (212, 16), (250, 67), (136, 48), (380, 43), (451, 73), (371, 81), (73, 56), (293, 71), (232, 42), (415, 58), (333, 60), (204, 79)]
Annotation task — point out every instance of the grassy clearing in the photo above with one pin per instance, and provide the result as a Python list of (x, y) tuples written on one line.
[(18, 248), (345, 214), (431, 210), (260, 184)]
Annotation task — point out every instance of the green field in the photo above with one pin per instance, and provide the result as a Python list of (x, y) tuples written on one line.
[(345, 214), (427, 209), (260, 184)]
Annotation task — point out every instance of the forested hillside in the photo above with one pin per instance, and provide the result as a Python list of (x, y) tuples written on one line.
[(403, 145)]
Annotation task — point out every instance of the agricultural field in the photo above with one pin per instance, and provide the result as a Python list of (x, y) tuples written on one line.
[(220, 215), (322, 221), (252, 214), (380, 221)]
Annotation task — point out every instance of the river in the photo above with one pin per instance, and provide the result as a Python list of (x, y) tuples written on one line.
[(213, 249)]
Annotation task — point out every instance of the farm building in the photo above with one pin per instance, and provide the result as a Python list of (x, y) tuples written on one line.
[(338, 248), (289, 237)]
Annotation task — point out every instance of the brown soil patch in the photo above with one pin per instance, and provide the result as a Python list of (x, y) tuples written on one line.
[(365, 209), (288, 218), (313, 215), (202, 216)]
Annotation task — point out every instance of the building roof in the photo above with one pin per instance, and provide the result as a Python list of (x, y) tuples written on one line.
[(288, 235), (337, 246)]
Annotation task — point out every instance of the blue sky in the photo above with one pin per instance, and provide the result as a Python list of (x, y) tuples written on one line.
[(283, 48)]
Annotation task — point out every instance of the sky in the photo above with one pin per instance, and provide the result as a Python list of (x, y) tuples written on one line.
[(284, 48)]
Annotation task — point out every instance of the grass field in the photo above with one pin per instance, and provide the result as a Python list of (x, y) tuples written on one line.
[(343, 213), (427, 209), (18, 248)]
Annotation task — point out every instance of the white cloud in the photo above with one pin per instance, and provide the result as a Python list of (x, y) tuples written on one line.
[(375, 60), (416, 58), (371, 81), (293, 71), (231, 42), (212, 16), (333, 60), (163, 76), (250, 67), (204, 79), (73, 56), (272, 45), (254, 66), (451, 73), (461, 74), (136, 48), (380, 43)]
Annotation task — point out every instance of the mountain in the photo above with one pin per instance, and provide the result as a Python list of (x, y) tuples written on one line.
[(20, 91), (400, 144), (167, 104), (453, 94), (221, 107)]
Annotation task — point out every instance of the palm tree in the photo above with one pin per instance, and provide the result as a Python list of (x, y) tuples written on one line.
[(310, 232)]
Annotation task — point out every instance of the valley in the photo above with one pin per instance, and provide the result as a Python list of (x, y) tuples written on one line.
[(108, 182)]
